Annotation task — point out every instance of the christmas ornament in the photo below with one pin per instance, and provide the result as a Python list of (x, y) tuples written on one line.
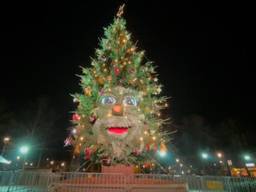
[(75, 100), (163, 147), (100, 80), (109, 78), (68, 141), (106, 161), (88, 91), (77, 149), (147, 147), (76, 117), (92, 118), (117, 71), (136, 152), (87, 153)]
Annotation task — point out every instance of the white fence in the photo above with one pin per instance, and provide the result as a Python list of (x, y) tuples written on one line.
[(98, 182)]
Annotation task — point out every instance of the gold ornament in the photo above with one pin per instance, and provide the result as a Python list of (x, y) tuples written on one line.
[(77, 149), (88, 91), (163, 147), (100, 80), (109, 78)]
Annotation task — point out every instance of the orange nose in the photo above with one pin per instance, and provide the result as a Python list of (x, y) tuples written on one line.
[(117, 110)]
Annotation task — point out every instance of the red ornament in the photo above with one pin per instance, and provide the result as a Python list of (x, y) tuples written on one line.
[(92, 119), (87, 153), (147, 147), (117, 71), (146, 165), (136, 152), (76, 117)]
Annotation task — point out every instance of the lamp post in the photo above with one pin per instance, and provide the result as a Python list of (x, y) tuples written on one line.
[(24, 151), (6, 141), (205, 157)]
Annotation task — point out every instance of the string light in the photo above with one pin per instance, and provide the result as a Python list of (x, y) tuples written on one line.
[(141, 138), (124, 40), (154, 138), (74, 131), (81, 138)]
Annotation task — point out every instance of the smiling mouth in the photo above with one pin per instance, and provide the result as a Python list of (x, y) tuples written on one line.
[(117, 130)]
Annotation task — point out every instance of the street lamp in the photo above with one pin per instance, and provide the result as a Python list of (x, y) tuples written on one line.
[(6, 140), (24, 149), (219, 155), (247, 157), (204, 155)]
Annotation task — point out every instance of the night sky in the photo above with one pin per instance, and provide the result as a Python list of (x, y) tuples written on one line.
[(202, 53)]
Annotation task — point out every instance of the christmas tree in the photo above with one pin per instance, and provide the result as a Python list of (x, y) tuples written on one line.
[(118, 116)]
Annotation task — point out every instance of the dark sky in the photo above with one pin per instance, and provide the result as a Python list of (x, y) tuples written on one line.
[(202, 52)]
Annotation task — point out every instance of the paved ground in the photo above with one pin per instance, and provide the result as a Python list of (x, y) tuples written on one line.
[(18, 189)]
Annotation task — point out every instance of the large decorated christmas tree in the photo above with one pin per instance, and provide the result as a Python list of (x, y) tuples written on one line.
[(118, 116)]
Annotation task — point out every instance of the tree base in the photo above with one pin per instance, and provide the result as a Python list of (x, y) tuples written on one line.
[(119, 168)]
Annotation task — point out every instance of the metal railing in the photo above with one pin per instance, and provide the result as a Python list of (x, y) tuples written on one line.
[(97, 182)]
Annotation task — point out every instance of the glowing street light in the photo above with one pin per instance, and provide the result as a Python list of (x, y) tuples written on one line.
[(247, 157), (204, 155), (6, 140), (219, 155), (24, 149)]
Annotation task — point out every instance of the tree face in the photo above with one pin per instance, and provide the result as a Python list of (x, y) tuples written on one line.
[(120, 122)]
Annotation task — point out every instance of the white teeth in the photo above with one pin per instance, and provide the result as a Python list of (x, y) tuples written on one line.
[(123, 123)]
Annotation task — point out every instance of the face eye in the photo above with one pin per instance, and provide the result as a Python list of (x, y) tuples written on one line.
[(108, 100), (130, 100)]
